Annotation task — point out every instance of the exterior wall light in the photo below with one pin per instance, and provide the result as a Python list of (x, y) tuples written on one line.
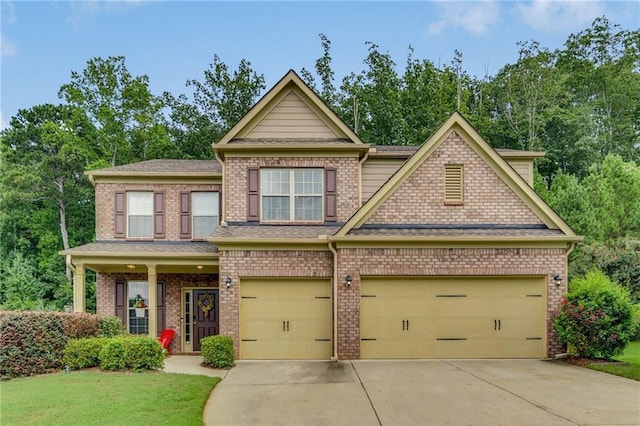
[(200, 267), (227, 281), (557, 279), (349, 280), (131, 266)]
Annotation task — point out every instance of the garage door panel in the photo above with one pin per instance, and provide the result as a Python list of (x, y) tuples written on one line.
[(285, 319), (457, 317)]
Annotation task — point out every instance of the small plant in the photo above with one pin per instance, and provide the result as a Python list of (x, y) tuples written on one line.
[(138, 353), (139, 304), (83, 353), (217, 351), (595, 318)]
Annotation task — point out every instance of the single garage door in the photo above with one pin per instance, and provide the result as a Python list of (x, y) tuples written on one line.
[(459, 317), (285, 319)]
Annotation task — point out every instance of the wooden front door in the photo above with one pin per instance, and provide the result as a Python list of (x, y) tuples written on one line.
[(206, 315)]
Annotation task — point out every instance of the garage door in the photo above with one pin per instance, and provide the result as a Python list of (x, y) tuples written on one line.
[(285, 319), (462, 317)]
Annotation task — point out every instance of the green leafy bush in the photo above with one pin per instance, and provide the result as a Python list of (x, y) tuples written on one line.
[(217, 351), (595, 319), (109, 326), (33, 342), (138, 353), (83, 353), (112, 354)]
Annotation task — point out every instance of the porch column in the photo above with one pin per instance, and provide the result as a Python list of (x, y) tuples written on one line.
[(153, 300), (79, 289)]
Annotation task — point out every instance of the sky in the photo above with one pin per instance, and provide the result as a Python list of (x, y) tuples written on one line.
[(171, 42)]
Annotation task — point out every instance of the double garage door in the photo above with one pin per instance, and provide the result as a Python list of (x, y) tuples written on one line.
[(285, 319), (461, 317), (416, 317)]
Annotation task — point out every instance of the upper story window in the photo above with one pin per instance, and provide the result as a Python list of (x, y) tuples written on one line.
[(292, 195), (204, 213), (140, 214)]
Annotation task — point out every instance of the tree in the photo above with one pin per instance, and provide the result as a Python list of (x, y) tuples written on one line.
[(219, 102), (45, 195), (323, 69), (127, 116)]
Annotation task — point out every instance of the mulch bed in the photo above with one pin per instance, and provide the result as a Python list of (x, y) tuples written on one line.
[(581, 362)]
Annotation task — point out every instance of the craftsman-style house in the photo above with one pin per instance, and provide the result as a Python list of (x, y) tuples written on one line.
[(301, 241)]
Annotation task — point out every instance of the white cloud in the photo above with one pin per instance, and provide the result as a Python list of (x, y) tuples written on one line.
[(8, 12), (559, 16), (4, 124), (476, 17), (6, 47), (84, 10)]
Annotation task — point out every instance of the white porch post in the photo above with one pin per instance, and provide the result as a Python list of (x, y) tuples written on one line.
[(153, 300), (79, 289)]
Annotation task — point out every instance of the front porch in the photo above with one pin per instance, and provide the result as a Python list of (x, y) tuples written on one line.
[(158, 273)]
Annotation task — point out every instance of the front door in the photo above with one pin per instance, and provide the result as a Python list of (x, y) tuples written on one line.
[(205, 315)]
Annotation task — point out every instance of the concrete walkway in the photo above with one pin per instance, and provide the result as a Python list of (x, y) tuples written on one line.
[(190, 364), (421, 392)]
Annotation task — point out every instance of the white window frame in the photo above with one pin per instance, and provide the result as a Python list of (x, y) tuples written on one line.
[(130, 214), (291, 195), (194, 214), (135, 324)]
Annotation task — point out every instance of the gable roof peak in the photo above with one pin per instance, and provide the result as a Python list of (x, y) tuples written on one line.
[(290, 82)]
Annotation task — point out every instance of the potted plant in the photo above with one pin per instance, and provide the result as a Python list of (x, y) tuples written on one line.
[(140, 307)]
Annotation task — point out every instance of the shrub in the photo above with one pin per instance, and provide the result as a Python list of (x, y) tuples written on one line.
[(595, 319), (33, 342), (83, 353), (131, 352), (143, 353), (112, 354), (217, 351), (110, 326)]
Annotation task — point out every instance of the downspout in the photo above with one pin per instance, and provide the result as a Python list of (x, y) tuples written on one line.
[(335, 301), (72, 268), (572, 246), (360, 164), (70, 265), (224, 191)]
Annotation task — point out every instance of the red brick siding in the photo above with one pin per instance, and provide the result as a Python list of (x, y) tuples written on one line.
[(441, 262), (487, 199), (105, 294), (105, 195), (235, 182)]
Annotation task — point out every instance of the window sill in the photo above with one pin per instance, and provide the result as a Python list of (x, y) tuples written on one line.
[(454, 203)]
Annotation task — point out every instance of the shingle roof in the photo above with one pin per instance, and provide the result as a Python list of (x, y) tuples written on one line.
[(173, 167), (272, 232), (177, 248), (457, 232)]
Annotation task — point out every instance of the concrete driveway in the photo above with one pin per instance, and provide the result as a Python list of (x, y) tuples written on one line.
[(421, 392)]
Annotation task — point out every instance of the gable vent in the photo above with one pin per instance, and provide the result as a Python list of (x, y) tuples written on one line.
[(453, 188)]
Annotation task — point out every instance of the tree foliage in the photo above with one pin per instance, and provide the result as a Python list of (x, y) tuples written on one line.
[(580, 104)]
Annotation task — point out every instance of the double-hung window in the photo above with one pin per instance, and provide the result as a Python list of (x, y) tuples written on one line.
[(204, 213), (291, 195), (140, 214)]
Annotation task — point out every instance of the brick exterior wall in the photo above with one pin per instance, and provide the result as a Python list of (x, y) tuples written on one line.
[(174, 283), (235, 182), (487, 199), (441, 262), (241, 264), (105, 205)]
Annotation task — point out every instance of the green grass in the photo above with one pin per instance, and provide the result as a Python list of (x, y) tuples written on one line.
[(95, 398), (629, 366)]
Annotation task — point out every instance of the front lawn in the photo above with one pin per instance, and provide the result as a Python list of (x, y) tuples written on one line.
[(629, 365), (95, 398)]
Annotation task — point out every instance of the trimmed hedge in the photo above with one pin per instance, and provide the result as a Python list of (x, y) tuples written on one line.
[(33, 342), (83, 353), (137, 353), (217, 351)]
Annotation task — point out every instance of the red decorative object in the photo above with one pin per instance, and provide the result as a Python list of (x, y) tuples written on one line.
[(165, 339)]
